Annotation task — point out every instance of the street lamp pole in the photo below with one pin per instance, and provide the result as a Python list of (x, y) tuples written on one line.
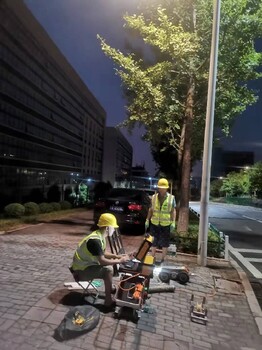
[(208, 141)]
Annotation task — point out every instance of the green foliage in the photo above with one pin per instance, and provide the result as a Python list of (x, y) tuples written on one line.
[(255, 176), (216, 188), (168, 94), (179, 35), (240, 200), (14, 210), (187, 242), (31, 208), (55, 206), (7, 224), (45, 207), (65, 205), (244, 183), (236, 184), (83, 194)]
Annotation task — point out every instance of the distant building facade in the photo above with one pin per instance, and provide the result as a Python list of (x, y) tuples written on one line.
[(140, 171), (51, 126), (118, 155)]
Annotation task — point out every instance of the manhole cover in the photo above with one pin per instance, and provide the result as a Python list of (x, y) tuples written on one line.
[(229, 286)]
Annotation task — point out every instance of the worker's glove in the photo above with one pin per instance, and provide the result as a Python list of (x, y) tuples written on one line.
[(146, 225), (173, 227)]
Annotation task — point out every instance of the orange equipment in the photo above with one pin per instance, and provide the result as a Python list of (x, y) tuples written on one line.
[(138, 291)]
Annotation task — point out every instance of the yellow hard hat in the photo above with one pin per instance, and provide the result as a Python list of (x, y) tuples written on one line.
[(107, 219), (162, 183)]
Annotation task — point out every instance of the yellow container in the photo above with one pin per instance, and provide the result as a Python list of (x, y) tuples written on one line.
[(149, 260)]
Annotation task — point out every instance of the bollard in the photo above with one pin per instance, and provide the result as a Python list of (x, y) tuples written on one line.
[(226, 246)]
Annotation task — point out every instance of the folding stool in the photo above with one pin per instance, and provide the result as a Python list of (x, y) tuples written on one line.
[(86, 286)]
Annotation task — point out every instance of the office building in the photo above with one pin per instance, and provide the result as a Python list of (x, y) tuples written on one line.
[(118, 154), (51, 126)]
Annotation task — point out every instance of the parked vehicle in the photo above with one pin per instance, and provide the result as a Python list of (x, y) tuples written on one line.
[(130, 206), (150, 192)]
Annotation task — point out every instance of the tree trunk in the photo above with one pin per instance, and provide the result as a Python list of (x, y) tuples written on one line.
[(183, 218), (179, 166)]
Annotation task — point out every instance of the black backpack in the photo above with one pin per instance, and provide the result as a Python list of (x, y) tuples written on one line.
[(79, 320)]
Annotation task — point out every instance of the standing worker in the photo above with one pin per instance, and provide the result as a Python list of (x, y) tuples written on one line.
[(161, 218), (91, 261)]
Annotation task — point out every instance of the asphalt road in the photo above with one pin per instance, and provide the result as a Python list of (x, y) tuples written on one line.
[(243, 225)]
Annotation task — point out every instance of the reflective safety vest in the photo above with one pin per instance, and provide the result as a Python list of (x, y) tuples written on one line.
[(82, 257), (161, 215)]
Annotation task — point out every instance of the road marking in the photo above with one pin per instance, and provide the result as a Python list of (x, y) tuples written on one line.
[(257, 260), (248, 217), (248, 228), (245, 250), (255, 272)]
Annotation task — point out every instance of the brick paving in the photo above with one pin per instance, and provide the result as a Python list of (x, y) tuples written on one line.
[(33, 300)]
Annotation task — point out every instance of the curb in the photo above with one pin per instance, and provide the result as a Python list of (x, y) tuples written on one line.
[(251, 298), (19, 228)]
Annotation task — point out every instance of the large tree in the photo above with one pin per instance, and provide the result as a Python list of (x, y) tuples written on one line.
[(169, 96)]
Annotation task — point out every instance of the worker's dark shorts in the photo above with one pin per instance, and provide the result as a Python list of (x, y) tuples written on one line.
[(91, 272), (161, 235)]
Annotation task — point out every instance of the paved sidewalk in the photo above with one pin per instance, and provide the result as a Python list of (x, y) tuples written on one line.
[(33, 300)]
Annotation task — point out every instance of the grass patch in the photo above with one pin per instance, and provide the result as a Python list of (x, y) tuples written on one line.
[(7, 224)]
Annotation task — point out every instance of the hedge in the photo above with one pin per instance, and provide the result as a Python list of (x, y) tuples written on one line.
[(45, 207), (65, 205), (17, 210), (31, 208), (55, 206), (14, 210)]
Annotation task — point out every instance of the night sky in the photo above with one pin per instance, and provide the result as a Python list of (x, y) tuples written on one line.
[(73, 26)]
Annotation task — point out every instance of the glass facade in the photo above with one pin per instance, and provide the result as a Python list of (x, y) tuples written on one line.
[(50, 124)]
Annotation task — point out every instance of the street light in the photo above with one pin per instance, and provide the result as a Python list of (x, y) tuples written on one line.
[(208, 141)]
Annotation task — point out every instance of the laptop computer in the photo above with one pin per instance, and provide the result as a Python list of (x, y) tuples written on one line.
[(140, 255)]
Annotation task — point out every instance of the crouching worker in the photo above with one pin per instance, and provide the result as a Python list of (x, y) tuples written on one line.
[(90, 260)]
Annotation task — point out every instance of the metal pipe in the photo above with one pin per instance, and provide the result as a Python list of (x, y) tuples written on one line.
[(208, 141), (163, 288)]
